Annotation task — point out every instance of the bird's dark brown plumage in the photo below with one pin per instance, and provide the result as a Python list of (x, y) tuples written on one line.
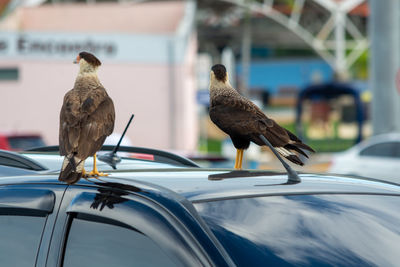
[(243, 121), (90, 58), (87, 117)]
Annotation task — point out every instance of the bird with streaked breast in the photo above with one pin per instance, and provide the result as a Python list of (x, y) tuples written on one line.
[(244, 122), (87, 117)]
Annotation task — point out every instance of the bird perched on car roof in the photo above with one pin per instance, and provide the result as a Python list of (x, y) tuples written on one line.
[(244, 122), (87, 117)]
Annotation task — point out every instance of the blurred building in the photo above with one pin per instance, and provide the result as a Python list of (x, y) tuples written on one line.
[(148, 52)]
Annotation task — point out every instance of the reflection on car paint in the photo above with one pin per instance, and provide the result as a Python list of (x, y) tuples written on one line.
[(337, 230), (111, 195)]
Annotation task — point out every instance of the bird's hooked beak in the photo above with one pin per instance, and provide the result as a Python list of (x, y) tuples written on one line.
[(76, 61)]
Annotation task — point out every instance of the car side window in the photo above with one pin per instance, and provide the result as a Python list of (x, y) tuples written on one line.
[(20, 239), (389, 149), (99, 243), (23, 216), (7, 161)]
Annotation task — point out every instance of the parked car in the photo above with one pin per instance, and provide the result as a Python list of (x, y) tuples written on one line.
[(170, 214), (20, 141), (12, 163), (377, 157), (130, 158), (47, 160)]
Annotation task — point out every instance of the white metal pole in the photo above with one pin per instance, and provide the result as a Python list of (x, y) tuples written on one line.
[(385, 59), (246, 54), (340, 43)]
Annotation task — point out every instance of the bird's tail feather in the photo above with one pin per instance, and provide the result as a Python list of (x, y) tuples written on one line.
[(295, 148), (71, 170), (289, 155), (297, 142), (303, 146)]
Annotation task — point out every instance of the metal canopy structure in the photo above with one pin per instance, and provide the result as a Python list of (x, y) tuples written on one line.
[(339, 41), (334, 36)]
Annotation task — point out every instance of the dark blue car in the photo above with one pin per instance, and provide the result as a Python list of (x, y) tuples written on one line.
[(169, 214)]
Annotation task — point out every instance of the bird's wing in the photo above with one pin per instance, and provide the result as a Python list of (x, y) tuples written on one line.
[(70, 117), (98, 122), (238, 115)]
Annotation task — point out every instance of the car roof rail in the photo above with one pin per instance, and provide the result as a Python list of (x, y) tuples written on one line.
[(159, 155)]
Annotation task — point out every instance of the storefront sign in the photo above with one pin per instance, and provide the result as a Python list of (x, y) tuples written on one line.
[(113, 47)]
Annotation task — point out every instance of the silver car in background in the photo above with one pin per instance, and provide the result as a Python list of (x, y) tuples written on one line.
[(377, 157)]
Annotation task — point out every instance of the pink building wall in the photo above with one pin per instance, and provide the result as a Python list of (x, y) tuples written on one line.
[(33, 102)]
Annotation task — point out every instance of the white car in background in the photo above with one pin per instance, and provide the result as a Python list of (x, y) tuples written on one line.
[(377, 157)]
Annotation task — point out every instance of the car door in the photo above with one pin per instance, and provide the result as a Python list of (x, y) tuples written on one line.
[(108, 227), (27, 216)]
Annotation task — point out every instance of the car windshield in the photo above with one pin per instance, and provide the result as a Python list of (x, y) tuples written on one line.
[(307, 230)]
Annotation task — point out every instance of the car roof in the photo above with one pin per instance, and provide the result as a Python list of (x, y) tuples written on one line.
[(14, 171), (380, 138), (200, 185)]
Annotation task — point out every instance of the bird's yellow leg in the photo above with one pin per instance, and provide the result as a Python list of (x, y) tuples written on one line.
[(237, 160), (240, 158), (95, 172)]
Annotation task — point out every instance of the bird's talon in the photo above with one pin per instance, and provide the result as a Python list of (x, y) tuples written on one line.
[(97, 174)]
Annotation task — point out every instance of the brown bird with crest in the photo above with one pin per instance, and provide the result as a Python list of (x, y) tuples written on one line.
[(87, 117), (244, 122)]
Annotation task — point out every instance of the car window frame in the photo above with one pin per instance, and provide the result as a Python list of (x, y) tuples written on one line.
[(79, 219), (66, 213), (39, 207)]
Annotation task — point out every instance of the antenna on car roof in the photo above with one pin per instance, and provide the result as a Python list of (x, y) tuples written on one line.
[(292, 174), (111, 158)]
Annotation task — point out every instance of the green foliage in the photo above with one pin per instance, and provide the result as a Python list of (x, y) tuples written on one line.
[(330, 145), (335, 144), (360, 68), (210, 146)]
